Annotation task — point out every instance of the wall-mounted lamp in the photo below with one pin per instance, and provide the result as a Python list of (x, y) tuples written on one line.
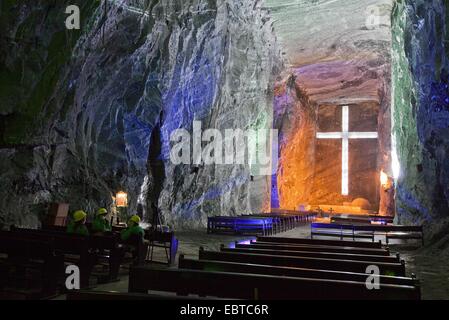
[(385, 180), (121, 199)]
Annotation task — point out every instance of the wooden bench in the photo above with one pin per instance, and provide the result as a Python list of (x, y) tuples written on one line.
[(240, 225), (357, 244), (87, 295), (75, 249), (313, 248), (403, 232), (61, 229), (338, 230), (369, 231), (21, 255), (138, 247), (256, 286), (224, 266), (282, 222), (361, 219), (315, 254), (106, 247), (300, 217), (395, 269)]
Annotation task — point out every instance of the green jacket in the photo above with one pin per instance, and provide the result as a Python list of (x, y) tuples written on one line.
[(76, 228), (128, 232), (100, 225)]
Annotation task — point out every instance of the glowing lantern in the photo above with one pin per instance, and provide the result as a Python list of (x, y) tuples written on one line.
[(384, 181), (121, 199)]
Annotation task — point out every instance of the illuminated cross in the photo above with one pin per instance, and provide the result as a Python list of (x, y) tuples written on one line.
[(345, 135)]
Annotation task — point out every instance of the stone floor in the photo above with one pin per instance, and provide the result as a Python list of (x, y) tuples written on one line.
[(430, 267)]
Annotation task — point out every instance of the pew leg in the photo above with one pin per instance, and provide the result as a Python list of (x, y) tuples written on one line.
[(53, 270), (85, 271), (114, 263), (173, 251), (167, 254)]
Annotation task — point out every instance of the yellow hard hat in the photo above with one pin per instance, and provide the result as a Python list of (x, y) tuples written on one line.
[(79, 215), (135, 219), (101, 211)]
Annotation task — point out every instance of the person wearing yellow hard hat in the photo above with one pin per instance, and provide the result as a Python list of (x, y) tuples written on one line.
[(133, 228), (100, 223), (78, 224)]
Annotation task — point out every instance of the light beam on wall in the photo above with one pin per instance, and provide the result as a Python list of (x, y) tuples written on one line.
[(395, 164), (345, 135)]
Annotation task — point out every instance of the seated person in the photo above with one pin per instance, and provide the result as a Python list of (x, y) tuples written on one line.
[(133, 236), (133, 228), (78, 224), (100, 223)]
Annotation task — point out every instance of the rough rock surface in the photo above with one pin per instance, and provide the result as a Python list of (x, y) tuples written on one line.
[(100, 121), (421, 112)]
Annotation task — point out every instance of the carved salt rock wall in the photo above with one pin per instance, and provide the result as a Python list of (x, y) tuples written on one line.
[(295, 116), (144, 64), (34, 52), (238, 58), (421, 112)]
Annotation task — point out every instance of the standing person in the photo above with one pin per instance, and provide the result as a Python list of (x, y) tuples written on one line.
[(78, 224), (100, 223)]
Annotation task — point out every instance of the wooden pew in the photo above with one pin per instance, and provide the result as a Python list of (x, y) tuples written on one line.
[(404, 232), (298, 216), (256, 286), (239, 225), (107, 246), (61, 229), (362, 219), (281, 222), (369, 231), (24, 254), (315, 254), (76, 249), (338, 230), (224, 266), (85, 295), (357, 244), (395, 269), (313, 248), (110, 248)]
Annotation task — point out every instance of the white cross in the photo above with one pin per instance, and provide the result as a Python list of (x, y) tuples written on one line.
[(345, 135)]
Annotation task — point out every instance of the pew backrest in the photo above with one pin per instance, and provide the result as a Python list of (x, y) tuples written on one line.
[(313, 248), (255, 286), (225, 266), (396, 269), (358, 244), (321, 254)]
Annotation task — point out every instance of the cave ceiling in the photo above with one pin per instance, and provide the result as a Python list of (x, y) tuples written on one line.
[(338, 49)]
